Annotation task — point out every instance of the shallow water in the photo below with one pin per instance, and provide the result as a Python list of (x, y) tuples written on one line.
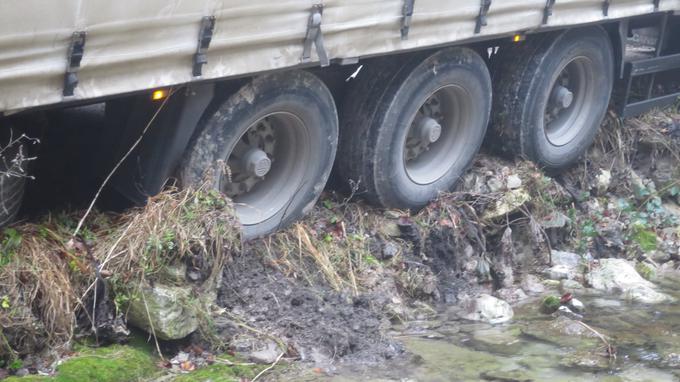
[(646, 339)]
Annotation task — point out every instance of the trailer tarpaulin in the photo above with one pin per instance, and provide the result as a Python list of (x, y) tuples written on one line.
[(143, 44)]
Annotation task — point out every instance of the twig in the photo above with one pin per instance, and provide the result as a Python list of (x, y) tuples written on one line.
[(610, 349), (269, 367), (120, 162)]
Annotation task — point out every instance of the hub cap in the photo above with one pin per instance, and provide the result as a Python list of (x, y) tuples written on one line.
[(570, 102), (435, 138), (266, 166)]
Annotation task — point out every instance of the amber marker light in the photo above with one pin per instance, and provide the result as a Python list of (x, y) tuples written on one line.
[(518, 38), (159, 94)]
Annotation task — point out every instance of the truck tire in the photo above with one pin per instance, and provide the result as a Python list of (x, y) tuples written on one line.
[(551, 95), (411, 127), (12, 181), (270, 147)]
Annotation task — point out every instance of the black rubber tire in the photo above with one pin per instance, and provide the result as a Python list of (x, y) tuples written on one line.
[(295, 92), (524, 81), (378, 114), (12, 180)]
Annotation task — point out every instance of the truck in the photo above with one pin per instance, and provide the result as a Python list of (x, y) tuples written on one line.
[(262, 100)]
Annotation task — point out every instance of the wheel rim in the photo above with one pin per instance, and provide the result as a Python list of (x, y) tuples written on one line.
[(570, 102), (266, 166), (435, 137)]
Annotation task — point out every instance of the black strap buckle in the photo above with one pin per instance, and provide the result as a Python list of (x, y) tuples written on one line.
[(75, 54), (314, 36), (481, 19), (204, 37)]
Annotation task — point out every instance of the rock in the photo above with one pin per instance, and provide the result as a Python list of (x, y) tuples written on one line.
[(669, 271), (560, 272), (569, 286), (602, 181), (21, 372), (169, 309), (267, 355), (576, 306), (642, 189), (494, 184), (554, 219), (508, 203), (566, 312), (174, 273), (618, 276), (646, 295), (511, 295), (551, 283), (489, 309), (390, 229), (497, 340), (390, 250), (532, 285), (562, 331), (516, 375), (665, 173), (659, 257), (569, 259), (586, 360), (565, 266), (647, 271), (513, 182)]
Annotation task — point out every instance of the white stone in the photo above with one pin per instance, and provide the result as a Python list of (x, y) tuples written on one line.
[(569, 259), (619, 276), (576, 305), (603, 180), (513, 182), (489, 309), (560, 272), (531, 284)]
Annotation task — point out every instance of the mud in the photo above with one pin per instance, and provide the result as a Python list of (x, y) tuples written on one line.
[(315, 323)]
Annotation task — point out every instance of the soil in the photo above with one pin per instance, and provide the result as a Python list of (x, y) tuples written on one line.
[(317, 323)]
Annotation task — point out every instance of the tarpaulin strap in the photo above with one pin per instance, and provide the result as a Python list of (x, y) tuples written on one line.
[(75, 54), (605, 7), (314, 36), (481, 19), (407, 12), (548, 11), (657, 4), (204, 37)]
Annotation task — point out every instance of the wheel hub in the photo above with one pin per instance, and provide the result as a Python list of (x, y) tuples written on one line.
[(430, 130), (256, 162), (562, 97)]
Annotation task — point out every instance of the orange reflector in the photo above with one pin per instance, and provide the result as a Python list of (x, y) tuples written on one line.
[(518, 38), (159, 94)]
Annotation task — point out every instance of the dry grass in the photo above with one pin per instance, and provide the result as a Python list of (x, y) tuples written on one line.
[(47, 276)]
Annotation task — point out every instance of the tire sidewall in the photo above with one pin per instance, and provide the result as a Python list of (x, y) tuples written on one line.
[(572, 44), (457, 66), (298, 93)]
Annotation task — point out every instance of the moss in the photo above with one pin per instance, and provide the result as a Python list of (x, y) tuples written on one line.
[(550, 304), (645, 270), (222, 372), (116, 363)]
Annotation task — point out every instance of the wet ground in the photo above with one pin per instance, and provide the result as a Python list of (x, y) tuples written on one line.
[(646, 339)]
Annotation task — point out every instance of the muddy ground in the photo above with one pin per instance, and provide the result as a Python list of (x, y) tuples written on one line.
[(331, 290)]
